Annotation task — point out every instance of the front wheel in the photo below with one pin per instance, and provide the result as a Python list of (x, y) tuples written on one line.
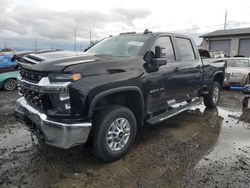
[(113, 133), (211, 100)]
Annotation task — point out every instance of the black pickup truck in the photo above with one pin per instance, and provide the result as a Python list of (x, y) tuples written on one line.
[(103, 95)]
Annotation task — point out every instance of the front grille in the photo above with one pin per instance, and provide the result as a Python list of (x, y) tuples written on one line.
[(32, 76), (33, 98), (40, 101)]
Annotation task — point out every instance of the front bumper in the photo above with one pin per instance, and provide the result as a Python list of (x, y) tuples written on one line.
[(58, 134)]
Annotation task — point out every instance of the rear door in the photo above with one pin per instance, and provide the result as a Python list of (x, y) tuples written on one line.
[(188, 69)]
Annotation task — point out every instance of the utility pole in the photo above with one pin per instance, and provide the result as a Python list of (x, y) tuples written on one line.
[(75, 39), (225, 23), (35, 45), (90, 38)]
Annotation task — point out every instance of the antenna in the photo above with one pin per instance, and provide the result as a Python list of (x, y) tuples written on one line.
[(75, 39), (225, 23)]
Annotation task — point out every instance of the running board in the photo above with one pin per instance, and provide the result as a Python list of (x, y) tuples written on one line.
[(161, 117)]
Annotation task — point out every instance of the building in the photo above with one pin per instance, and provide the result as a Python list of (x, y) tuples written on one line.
[(231, 41)]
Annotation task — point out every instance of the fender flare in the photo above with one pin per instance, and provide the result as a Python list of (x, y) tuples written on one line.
[(112, 91), (216, 73)]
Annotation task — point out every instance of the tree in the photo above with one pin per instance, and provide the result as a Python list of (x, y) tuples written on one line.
[(6, 50)]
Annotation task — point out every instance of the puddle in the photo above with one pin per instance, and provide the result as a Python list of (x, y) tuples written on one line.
[(198, 148), (227, 163), (234, 133)]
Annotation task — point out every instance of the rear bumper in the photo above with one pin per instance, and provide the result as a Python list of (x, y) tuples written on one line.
[(53, 133)]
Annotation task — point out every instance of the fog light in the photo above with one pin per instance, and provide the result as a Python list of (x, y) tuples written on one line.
[(64, 97), (67, 106)]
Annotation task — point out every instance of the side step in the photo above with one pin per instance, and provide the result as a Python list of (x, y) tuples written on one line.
[(161, 117)]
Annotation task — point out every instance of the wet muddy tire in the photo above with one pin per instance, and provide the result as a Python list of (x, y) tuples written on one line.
[(113, 133), (211, 100), (9, 85)]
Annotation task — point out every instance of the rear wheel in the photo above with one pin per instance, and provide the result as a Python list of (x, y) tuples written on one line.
[(113, 133), (211, 100), (10, 85)]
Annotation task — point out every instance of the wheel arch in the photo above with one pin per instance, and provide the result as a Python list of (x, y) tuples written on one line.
[(219, 77), (132, 98)]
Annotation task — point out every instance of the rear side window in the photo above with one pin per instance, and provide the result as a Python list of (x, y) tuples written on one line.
[(186, 49), (165, 42)]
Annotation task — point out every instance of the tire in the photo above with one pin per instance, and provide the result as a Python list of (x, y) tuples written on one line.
[(211, 100), (110, 147), (9, 85)]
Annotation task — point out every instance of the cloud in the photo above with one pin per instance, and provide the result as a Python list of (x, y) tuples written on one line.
[(235, 24), (129, 15), (25, 22)]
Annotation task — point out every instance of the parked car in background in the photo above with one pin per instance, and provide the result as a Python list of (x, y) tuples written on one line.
[(8, 73), (237, 71), (8, 80), (217, 54), (5, 61)]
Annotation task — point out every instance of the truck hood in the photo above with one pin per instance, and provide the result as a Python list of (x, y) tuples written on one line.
[(68, 61), (54, 61)]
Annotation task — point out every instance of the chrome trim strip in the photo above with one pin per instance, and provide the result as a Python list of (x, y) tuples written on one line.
[(43, 117), (182, 110), (44, 85)]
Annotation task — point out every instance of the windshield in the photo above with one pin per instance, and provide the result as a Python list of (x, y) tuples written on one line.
[(122, 45), (237, 63)]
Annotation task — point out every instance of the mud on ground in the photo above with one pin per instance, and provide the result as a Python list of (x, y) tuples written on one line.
[(198, 148)]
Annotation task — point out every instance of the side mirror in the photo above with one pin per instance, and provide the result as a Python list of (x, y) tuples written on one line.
[(160, 56)]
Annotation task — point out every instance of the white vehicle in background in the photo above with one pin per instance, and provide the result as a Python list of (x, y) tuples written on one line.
[(237, 71), (217, 54)]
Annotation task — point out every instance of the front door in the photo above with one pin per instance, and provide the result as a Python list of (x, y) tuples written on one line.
[(157, 94)]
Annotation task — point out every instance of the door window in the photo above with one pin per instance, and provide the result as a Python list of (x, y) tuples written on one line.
[(185, 48), (165, 42)]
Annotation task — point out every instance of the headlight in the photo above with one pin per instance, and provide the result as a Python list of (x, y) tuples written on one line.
[(65, 77), (237, 74)]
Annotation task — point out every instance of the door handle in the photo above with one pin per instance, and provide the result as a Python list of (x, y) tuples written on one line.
[(176, 69)]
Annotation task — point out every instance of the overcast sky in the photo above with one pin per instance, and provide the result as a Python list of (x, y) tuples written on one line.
[(52, 22)]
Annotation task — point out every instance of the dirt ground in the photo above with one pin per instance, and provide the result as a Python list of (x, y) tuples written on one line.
[(198, 148)]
